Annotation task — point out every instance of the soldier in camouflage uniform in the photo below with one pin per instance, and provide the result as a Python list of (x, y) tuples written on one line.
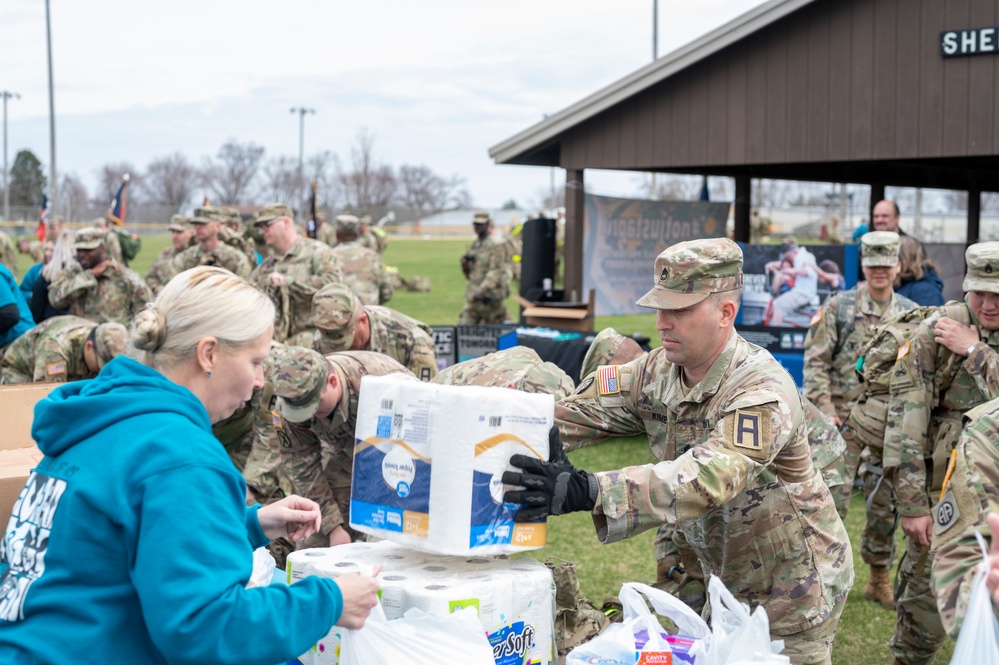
[(609, 347), (315, 420), (367, 236), (735, 476), (234, 233), (292, 275), (325, 232), (62, 349), (947, 367), (488, 273), (161, 271), (362, 268), (971, 496), (112, 245), (33, 248), (344, 324), (838, 330), (98, 288), (518, 367), (8, 253), (210, 250)]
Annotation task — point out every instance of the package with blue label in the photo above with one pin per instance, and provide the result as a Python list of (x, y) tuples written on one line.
[(428, 463)]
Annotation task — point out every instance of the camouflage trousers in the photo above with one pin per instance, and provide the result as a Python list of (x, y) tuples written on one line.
[(877, 542), (477, 313), (814, 645), (919, 633), (342, 497)]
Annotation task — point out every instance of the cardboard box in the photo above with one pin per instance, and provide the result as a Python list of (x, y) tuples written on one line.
[(18, 452), (562, 316)]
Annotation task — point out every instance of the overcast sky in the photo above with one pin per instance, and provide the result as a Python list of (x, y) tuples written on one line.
[(435, 82)]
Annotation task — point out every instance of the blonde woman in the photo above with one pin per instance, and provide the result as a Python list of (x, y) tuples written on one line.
[(61, 258), (106, 546)]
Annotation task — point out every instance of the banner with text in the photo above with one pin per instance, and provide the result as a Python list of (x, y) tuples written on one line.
[(623, 237)]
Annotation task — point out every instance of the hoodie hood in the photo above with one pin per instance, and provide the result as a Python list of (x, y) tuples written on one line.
[(122, 390)]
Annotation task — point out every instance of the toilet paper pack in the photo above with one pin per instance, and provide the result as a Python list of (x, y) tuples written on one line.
[(428, 463), (514, 598)]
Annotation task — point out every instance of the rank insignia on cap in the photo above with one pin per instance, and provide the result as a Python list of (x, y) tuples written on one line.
[(945, 514), (664, 275), (55, 368), (609, 380), (903, 350)]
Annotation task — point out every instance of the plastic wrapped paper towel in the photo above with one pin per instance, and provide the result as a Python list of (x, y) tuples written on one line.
[(514, 599), (428, 463)]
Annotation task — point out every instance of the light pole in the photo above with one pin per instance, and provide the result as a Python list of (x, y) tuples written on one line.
[(53, 183), (6, 173), (301, 111)]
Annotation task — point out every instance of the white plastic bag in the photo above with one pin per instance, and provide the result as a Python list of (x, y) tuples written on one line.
[(736, 635), (263, 568), (417, 639), (616, 645), (978, 642)]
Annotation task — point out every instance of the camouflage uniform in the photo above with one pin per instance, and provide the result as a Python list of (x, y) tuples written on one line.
[(735, 474), (368, 240), (410, 342), (308, 265), (488, 273), (223, 256), (609, 347), (8, 253), (36, 249), (240, 242), (363, 270), (518, 367), (318, 452), (326, 233), (52, 351), (931, 389), (112, 245), (832, 346), (161, 271), (972, 493), (117, 295)]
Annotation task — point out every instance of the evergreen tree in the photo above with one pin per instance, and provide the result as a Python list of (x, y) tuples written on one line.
[(27, 180)]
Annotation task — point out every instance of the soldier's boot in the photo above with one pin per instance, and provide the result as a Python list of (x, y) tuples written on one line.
[(879, 589)]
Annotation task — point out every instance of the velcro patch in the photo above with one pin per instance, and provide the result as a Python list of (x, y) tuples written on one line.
[(609, 380), (749, 431), (903, 350), (53, 369), (946, 513), (816, 318)]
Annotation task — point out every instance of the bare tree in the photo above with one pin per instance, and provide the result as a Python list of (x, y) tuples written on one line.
[(280, 180), (109, 179), (73, 195), (550, 200), (366, 185), (170, 181), (230, 177), (426, 193), (323, 168)]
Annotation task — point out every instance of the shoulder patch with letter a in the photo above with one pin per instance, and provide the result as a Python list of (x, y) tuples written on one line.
[(946, 513), (748, 431), (53, 369)]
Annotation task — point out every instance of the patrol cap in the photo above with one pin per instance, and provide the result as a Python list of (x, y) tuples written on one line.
[(273, 211), (335, 309), (983, 267), (688, 272), (89, 237), (481, 217), (366, 220), (231, 215), (879, 248), (179, 223), (206, 214), (299, 376), (347, 223), (110, 340)]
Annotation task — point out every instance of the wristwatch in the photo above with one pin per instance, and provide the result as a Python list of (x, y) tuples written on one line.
[(971, 349)]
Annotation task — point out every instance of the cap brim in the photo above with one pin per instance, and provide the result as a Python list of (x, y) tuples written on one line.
[(878, 261), (86, 245), (297, 414), (660, 298), (977, 284)]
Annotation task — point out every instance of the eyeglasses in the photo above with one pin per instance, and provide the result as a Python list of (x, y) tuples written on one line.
[(264, 225)]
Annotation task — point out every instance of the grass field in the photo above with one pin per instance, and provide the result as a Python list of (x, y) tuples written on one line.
[(865, 627)]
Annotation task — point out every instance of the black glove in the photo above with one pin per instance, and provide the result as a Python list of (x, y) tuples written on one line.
[(556, 452), (552, 488)]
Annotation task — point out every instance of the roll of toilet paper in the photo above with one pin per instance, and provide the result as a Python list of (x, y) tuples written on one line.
[(455, 507)]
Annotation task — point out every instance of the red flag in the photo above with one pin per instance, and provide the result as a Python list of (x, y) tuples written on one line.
[(43, 218)]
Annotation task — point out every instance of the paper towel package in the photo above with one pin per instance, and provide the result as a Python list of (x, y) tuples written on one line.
[(514, 598), (428, 463)]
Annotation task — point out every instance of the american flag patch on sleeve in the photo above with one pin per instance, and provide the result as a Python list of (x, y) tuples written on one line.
[(608, 380)]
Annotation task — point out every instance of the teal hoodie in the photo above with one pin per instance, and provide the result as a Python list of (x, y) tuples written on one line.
[(131, 541)]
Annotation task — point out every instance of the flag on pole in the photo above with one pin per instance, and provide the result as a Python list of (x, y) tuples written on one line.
[(117, 209), (704, 189), (311, 227), (43, 218)]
